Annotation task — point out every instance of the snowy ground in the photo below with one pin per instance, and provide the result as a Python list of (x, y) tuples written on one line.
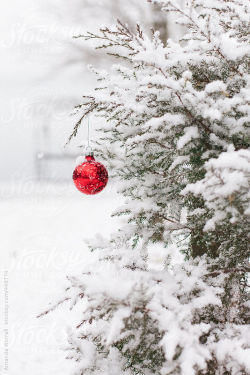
[(42, 240)]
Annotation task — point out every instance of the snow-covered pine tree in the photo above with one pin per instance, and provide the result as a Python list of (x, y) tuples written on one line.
[(176, 140)]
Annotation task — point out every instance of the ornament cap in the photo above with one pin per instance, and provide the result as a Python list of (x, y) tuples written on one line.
[(88, 151)]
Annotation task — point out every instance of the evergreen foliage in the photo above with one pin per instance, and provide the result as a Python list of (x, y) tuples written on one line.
[(176, 138)]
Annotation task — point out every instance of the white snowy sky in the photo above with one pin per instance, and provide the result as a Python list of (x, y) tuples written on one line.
[(35, 41)]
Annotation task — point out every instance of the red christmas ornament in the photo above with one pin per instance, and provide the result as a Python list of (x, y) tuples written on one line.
[(90, 177)]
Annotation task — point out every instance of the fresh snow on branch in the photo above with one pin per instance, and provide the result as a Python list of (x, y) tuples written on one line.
[(175, 137)]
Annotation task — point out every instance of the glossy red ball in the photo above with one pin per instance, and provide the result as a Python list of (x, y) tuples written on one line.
[(90, 177)]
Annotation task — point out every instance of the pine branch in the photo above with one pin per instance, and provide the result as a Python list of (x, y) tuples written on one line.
[(202, 32), (228, 270), (54, 307), (77, 125)]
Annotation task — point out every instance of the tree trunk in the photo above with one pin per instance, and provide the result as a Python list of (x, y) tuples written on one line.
[(160, 23)]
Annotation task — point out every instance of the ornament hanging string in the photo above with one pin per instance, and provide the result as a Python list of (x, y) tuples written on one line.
[(88, 148), (88, 133)]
